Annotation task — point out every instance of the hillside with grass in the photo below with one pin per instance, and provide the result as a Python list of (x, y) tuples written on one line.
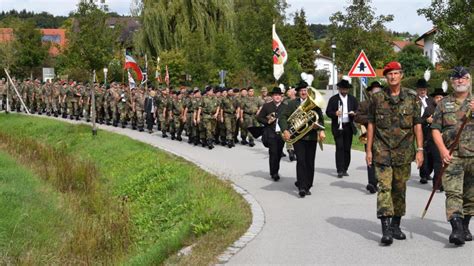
[(71, 198)]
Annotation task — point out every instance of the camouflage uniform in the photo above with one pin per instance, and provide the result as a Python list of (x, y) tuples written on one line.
[(250, 106), (393, 149), (458, 178), (3, 95), (176, 111), (209, 106), (86, 92), (55, 98), (139, 108), (229, 108)]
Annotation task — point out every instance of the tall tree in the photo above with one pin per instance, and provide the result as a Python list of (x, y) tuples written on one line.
[(454, 22), (413, 61), (30, 51), (359, 29), (91, 43), (304, 43)]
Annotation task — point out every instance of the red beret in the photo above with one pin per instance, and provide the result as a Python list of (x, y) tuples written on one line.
[(394, 65)]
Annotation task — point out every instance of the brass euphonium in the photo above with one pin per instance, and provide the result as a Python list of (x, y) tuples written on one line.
[(301, 121)]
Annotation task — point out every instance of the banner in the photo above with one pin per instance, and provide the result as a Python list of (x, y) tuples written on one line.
[(279, 55)]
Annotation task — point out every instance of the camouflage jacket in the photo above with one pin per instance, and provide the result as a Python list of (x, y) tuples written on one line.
[(208, 106), (394, 118), (447, 119), (228, 105), (250, 105)]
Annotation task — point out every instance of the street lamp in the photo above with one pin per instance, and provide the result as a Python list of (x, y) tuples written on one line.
[(105, 75), (333, 47)]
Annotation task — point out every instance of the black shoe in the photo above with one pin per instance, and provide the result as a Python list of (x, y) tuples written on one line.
[(302, 193), (396, 231), (210, 144), (164, 135), (173, 136), (251, 143), (371, 188), (387, 237), (292, 155), (150, 131), (296, 184), (88, 120), (124, 126), (244, 142), (423, 180), (340, 174), (204, 143), (134, 128), (276, 177), (179, 138), (465, 226), (308, 193), (223, 143), (196, 142), (190, 140), (457, 234), (230, 144), (345, 173), (141, 129)]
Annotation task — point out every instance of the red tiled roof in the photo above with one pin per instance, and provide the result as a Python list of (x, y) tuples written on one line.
[(6, 34), (57, 35), (401, 44)]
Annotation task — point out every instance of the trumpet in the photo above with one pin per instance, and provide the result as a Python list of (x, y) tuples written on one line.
[(271, 117)]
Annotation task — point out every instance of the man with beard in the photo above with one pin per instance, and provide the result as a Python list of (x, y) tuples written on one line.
[(458, 178)]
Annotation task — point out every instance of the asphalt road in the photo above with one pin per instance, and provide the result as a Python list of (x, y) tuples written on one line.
[(336, 225)]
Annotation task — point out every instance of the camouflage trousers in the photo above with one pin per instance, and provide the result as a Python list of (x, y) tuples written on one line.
[(230, 123), (458, 183), (392, 185), (164, 123), (208, 127), (176, 124), (140, 119), (248, 121), (73, 108)]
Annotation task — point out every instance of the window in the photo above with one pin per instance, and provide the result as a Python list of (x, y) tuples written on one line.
[(51, 38)]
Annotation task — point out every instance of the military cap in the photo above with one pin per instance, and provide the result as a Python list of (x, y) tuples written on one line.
[(236, 90), (459, 72), (394, 65)]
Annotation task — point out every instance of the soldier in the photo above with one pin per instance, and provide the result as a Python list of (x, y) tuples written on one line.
[(189, 114), (176, 115), (195, 103), (238, 100), (55, 98), (458, 178), (264, 95), (361, 118), (3, 94), (230, 112), (138, 108), (394, 118), (150, 110), (219, 135), (65, 90), (99, 103), (209, 112), (249, 108), (162, 105), (123, 105)]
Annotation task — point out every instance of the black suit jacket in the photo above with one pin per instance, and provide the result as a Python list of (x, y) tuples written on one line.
[(429, 111), (148, 104), (333, 106), (266, 110)]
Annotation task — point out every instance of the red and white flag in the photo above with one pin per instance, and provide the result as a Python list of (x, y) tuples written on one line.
[(167, 77), (131, 81), (279, 55), (131, 63)]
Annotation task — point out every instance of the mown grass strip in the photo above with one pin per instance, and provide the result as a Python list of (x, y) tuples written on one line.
[(171, 202)]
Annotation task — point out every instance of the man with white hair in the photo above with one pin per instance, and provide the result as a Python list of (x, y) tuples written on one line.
[(458, 178)]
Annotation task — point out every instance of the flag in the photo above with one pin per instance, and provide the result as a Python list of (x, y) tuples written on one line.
[(131, 81), (167, 77), (131, 63), (145, 71), (279, 55)]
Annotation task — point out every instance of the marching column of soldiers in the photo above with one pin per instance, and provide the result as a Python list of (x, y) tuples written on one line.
[(209, 117)]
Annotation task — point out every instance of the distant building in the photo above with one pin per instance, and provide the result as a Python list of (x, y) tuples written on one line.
[(325, 63), (57, 37), (128, 26), (430, 48), (399, 45)]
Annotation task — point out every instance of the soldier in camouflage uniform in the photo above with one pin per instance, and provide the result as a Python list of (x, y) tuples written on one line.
[(458, 178), (86, 95), (219, 134), (231, 112), (207, 115), (99, 103), (249, 108), (38, 97), (63, 98), (55, 98), (138, 108), (188, 111), (3, 94), (195, 103), (177, 115), (393, 118), (162, 108), (47, 94)]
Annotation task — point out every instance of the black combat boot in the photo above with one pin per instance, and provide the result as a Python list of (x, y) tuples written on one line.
[(230, 144), (141, 129), (457, 235), (179, 138), (203, 143), (190, 140), (223, 142), (196, 141), (251, 143), (210, 144), (244, 142), (173, 136), (465, 225), (396, 231), (164, 135), (217, 142), (387, 237)]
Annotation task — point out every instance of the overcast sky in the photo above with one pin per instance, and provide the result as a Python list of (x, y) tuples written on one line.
[(317, 11)]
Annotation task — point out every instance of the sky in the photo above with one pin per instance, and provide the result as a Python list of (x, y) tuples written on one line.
[(317, 11)]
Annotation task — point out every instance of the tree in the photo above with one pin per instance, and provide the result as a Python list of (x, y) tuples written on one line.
[(30, 51), (413, 61), (304, 43), (359, 29), (91, 43), (454, 23)]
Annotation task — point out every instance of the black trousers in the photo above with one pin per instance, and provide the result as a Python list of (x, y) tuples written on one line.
[(305, 151), (275, 149), (371, 173), (150, 120), (432, 161), (343, 139)]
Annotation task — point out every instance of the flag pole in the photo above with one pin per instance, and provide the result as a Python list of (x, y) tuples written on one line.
[(93, 111)]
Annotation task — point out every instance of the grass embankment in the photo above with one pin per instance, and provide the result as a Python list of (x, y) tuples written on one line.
[(159, 202)]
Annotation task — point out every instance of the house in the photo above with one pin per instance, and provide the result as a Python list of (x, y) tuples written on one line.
[(56, 36), (325, 63), (430, 48), (399, 45)]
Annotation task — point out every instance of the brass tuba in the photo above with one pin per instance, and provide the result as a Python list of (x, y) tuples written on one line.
[(301, 121)]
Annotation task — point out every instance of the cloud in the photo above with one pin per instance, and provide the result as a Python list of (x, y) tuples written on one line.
[(404, 11)]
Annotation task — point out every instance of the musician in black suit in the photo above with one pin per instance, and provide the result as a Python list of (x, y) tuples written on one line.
[(150, 108), (305, 148), (268, 116), (427, 107), (342, 109)]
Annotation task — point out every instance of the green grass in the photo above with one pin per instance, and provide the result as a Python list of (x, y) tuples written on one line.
[(171, 203), (32, 224), (356, 145)]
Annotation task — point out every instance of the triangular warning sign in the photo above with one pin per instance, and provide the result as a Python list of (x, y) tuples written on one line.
[(362, 67)]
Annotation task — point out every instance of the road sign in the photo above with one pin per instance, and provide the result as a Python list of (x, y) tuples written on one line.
[(364, 81), (362, 67)]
